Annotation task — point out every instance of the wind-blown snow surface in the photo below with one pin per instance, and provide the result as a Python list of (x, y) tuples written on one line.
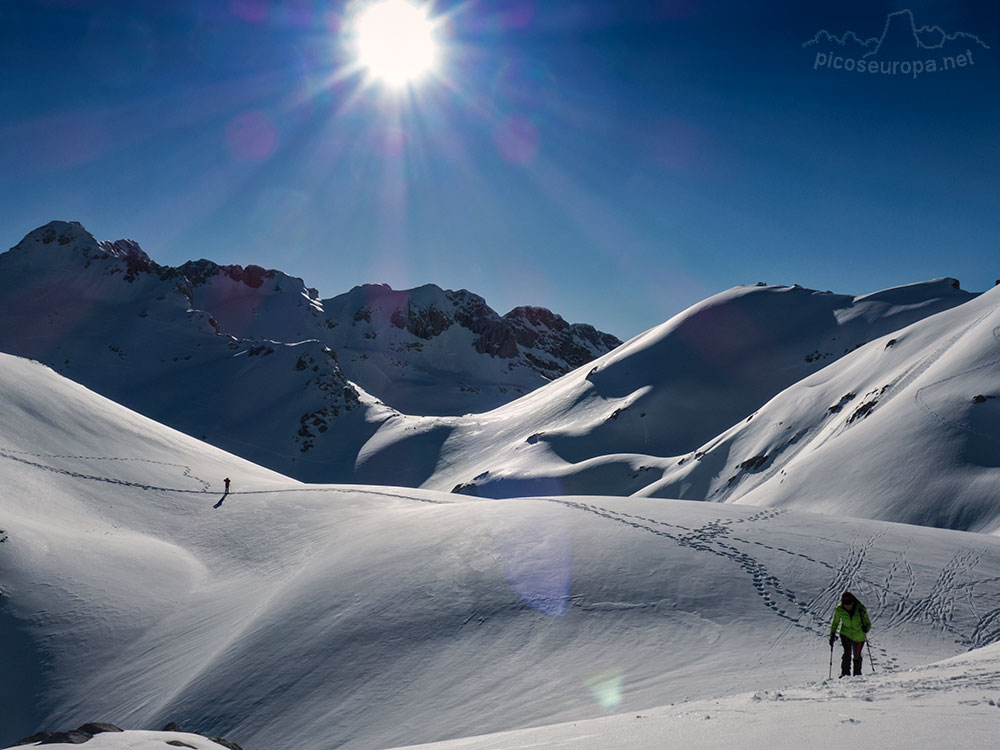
[(297, 616), (955, 703)]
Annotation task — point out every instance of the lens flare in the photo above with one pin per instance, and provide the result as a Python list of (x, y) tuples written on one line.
[(607, 689), (251, 136), (535, 549)]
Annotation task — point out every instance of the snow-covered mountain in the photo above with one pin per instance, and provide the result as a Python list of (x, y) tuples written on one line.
[(761, 394), (915, 414), (105, 315), (286, 615), (907, 428), (422, 351), (433, 351), (704, 409), (250, 359)]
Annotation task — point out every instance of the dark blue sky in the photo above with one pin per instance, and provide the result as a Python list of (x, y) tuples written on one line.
[(615, 161)]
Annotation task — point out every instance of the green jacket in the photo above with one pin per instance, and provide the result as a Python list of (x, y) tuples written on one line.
[(852, 626)]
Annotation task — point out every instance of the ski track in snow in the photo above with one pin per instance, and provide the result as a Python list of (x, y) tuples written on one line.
[(937, 608), (892, 604), (10, 454), (919, 396), (772, 592), (807, 439)]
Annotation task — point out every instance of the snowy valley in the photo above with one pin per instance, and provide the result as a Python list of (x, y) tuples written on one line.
[(647, 543)]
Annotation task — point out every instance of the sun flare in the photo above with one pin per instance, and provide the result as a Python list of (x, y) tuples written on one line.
[(396, 42)]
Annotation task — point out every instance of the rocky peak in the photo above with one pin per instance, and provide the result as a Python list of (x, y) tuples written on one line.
[(199, 272), (573, 344), (57, 234), (538, 317), (71, 236), (125, 249), (251, 275), (135, 258), (428, 311)]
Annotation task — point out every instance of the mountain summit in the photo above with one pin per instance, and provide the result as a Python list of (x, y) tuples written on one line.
[(252, 359)]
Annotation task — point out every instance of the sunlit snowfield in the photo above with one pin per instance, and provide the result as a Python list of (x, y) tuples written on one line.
[(395, 515), (297, 615)]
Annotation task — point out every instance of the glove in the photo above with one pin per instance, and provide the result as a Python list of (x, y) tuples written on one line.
[(864, 628), (833, 639)]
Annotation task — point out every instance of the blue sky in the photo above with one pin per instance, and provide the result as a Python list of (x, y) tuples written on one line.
[(614, 161)]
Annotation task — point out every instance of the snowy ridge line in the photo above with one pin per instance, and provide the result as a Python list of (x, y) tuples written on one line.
[(126, 483)]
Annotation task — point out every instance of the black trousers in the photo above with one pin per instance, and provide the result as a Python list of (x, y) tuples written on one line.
[(852, 650)]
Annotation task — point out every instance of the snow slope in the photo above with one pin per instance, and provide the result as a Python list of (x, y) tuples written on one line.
[(904, 428), (255, 362), (106, 316), (314, 616), (955, 703)]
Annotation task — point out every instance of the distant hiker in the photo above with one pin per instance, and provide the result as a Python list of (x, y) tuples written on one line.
[(852, 617), (226, 480)]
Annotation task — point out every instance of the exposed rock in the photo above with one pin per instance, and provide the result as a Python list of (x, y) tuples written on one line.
[(199, 272), (73, 737), (33, 739), (530, 339), (98, 727), (840, 404), (136, 260), (754, 464), (86, 732), (424, 323), (862, 411), (497, 340), (569, 345)]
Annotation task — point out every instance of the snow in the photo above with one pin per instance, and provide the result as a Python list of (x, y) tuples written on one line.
[(328, 616), (955, 703), (585, 607), (250, 359), (903, 428), (139, 740)]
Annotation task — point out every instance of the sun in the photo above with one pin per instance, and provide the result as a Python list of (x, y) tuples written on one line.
[(396, 42)]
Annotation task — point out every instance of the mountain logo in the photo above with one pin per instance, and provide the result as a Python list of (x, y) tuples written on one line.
[(903, 48)]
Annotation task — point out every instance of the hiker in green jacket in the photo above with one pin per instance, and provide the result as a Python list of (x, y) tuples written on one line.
[(852, 617)]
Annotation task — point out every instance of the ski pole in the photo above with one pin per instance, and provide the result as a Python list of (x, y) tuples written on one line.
[(870, 657), (830, 675)]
